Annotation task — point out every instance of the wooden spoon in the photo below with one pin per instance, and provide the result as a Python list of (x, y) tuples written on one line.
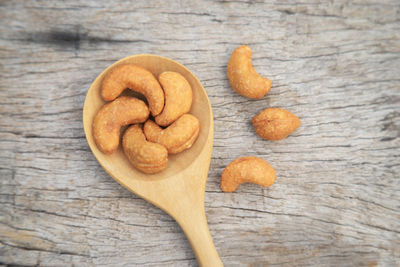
[(179, 189)]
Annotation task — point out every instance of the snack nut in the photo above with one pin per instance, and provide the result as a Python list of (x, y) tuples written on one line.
[(178, 97), (177, 137), (112, 116), (146, 156), (242, 76), (275, 123), (247, 170), (137, 79)]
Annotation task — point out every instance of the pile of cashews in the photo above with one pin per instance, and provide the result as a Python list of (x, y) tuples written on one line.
[(169, 101), (269, 124)]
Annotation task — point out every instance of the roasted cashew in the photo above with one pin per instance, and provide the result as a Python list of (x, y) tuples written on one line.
[(275, 123), (137, 79), (242, 76), (177, 137), (146, 156), (178, 97), (247, 170), (112, 116)]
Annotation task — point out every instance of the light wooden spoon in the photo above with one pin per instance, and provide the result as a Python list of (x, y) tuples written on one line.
[(179, 189)]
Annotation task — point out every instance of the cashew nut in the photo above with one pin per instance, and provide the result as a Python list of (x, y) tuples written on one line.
[(137, 79), (179, 136), (247, 170), (242, 76), (146, 156), (275, 123), (112, 116), (178, 97)]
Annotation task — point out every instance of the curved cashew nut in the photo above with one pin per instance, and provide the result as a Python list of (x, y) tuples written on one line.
[(137, 79), (247, 170), (178, 97), (179, 136), (112, 116), (146, 156), (242, 76), (275, 123)]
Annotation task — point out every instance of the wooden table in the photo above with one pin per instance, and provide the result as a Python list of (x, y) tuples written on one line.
[(336, 200)]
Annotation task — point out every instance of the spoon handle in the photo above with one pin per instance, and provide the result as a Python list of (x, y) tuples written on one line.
[(195, 226)]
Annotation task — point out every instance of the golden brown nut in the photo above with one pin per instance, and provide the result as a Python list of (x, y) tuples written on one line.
[(146, 156), (247, 170), (178, 97), (137, 79), (112, 116), (275, 123), (179, 136), (242, 76)]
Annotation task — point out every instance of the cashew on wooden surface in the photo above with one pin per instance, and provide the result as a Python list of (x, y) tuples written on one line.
[(275, 123), (146, 156), (137, 79), (177, 137), (178, 97), (242, 76), (112, 116), (247, 170)]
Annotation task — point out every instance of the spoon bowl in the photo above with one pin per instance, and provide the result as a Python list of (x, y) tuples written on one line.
[(179, 189)]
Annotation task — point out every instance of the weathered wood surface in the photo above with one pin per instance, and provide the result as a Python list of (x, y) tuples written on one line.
[(335, 64)]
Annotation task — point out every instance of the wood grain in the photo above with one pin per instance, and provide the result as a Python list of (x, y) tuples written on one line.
[(335, 64)]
